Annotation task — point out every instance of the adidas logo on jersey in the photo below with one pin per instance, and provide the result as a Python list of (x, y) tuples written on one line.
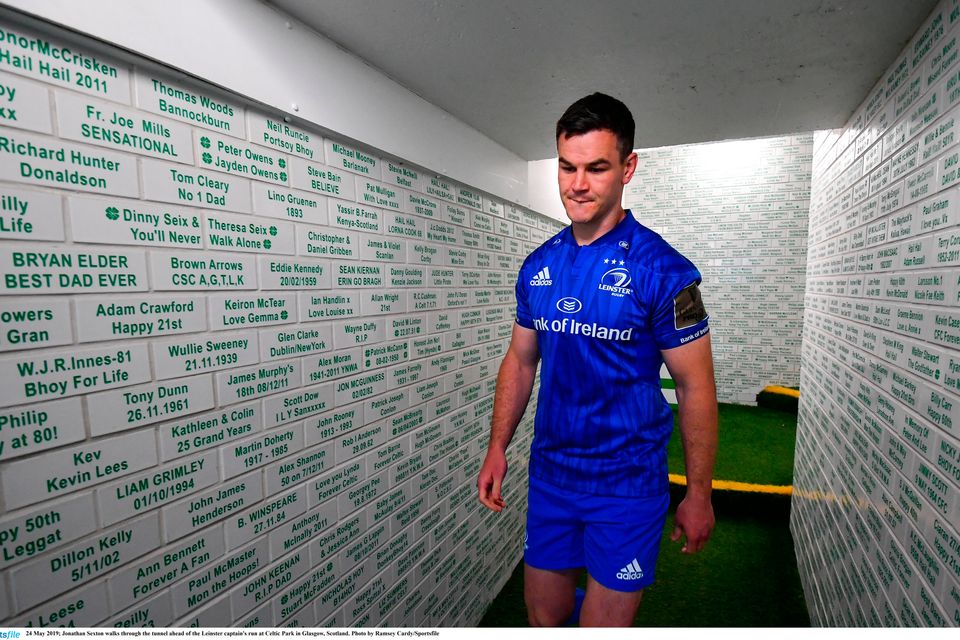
[(630, 572), (542, 279)]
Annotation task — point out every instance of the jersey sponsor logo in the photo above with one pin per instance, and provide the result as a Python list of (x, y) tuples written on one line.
[(617, 282), (569, 305), (696, 334), (630, 572), (588, 329), (542, 278), (624, 244), (688, 308)]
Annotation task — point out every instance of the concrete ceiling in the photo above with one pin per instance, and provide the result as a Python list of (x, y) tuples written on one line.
[(690, 70)]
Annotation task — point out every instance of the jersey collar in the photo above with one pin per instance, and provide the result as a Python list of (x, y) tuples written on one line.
[(621, 232)]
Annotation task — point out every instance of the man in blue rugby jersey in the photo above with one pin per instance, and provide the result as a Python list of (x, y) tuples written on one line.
[(602, 304)]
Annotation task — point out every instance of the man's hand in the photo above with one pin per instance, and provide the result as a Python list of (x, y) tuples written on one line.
[(490, 480), (694, 520)]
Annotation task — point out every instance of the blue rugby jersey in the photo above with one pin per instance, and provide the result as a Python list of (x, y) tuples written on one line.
[(602, 313)]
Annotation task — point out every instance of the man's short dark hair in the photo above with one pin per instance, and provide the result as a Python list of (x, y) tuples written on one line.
[(599, 111)]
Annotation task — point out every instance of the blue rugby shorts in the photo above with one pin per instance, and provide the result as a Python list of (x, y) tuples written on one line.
[(617, 539)]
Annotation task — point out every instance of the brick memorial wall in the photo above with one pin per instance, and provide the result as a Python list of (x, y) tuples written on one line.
[(876, 508), (247, 367), (737, 210)]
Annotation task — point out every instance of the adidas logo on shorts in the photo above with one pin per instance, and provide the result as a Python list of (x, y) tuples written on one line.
[(630, 572), (542, 279)]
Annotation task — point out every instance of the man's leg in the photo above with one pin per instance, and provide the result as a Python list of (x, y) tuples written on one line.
[(605, 607), (549, 595), (621, 545), (552, 554)]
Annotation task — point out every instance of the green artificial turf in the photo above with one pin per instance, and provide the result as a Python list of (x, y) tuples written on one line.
[(745, 577), (756, 446)]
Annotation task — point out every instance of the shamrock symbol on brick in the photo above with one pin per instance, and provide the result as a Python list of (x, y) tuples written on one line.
[(267, 244), (113, 213), (273, 231), (205, 142), (207, 158)]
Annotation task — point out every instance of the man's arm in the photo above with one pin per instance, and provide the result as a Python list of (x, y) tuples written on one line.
[(691, 367), (514, 384)]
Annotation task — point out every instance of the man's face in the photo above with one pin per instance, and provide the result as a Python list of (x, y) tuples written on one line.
[(592, 175)]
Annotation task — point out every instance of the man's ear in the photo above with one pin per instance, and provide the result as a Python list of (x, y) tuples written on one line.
[(629, 166)]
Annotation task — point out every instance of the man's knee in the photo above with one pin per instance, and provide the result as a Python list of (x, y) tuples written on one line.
[(549, 596), (605, 607), (547, 614)]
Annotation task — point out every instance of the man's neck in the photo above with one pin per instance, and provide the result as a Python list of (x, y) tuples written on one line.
[(588, 232)]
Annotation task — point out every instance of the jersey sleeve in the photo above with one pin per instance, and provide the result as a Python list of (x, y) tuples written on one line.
[(679, 315), (524, 318)]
